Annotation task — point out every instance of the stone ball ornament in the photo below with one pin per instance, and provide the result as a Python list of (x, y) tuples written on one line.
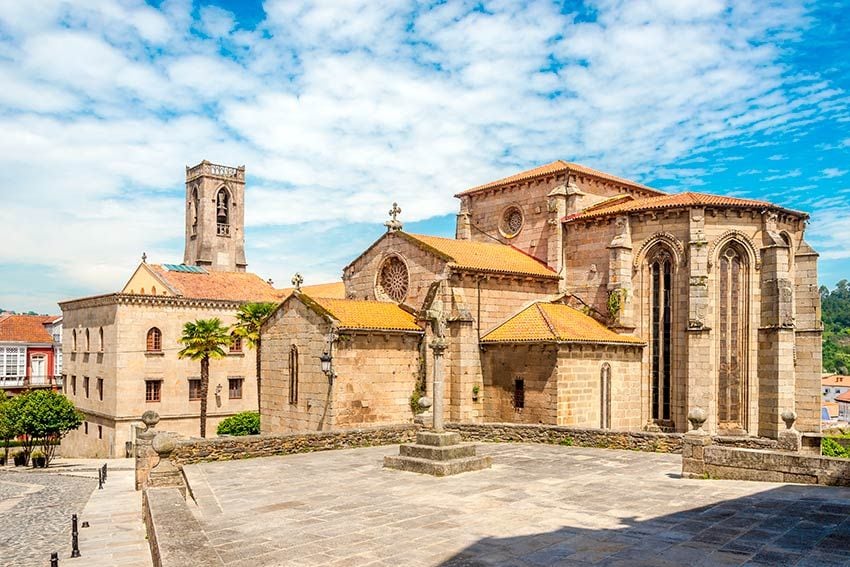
[(163, 444), (150, 418), (697, 416), (425, 402), (789, 417)]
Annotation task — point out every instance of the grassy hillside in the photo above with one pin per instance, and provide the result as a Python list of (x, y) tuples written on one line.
[(835, 307)]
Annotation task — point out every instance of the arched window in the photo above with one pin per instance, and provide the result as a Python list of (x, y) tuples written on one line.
[(88, 341), (293, 374), (193, 210), (605, 396), (222, 212), (153, 290), (154, 343), (235, 343), (661, 285), (100, 337), (733, 333)]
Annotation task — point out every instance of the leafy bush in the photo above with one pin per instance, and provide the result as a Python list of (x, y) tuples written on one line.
[(830, 448), (245, 423)]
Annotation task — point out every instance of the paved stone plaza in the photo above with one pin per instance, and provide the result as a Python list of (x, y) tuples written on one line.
[(538, 505), (35, 515)]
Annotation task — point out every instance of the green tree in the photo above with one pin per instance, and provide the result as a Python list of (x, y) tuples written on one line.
[(249, 318), (45, 417), (202, 340), (9, 422)]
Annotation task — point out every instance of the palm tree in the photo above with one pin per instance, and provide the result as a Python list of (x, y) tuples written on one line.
[(249, 317), (204, 339)]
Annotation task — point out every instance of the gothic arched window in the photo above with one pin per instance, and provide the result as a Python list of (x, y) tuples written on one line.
[(222, 212), (661, 282), (605, 396), (293, 374), (154, 342), (733, 331)]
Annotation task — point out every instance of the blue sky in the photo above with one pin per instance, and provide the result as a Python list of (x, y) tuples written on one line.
[(337, 109)]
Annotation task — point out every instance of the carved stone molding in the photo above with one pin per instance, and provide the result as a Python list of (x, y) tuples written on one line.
[(673, 244), (735, 236)]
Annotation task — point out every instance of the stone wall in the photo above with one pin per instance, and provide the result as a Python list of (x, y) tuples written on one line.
[(229, 448), (559, 435), (774, 466), (174, 534)]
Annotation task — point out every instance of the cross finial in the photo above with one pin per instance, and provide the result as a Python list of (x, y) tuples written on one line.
[(394, 224), (297, 280), (144, 258)]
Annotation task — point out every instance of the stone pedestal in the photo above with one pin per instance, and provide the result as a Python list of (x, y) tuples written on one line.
[(165, 474), (694, 444), (146, 457), (438, 454), (790, 439)]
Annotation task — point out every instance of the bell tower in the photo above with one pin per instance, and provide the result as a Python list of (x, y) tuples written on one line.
[(215, 217)]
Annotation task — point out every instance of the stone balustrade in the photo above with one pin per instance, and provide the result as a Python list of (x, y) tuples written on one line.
[(207, 168)]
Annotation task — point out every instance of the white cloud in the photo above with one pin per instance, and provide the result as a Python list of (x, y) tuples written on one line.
[(831, 172), (337, 109)]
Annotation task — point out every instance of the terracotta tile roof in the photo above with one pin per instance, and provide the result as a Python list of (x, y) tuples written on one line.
[(845, 397), (229, 286), (335, 290), (365, 315), (688, 199), (25, 329), (484, 256), (557, 166), (835, 380), (555, 322)]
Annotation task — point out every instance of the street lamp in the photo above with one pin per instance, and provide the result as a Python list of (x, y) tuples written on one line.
[(327, 365)]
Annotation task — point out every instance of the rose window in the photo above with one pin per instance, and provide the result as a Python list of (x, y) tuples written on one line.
[(393, 279), (511, 221)]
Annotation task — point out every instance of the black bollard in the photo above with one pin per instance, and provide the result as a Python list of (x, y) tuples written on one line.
[(75, 537), (99, 479), (54, 559)]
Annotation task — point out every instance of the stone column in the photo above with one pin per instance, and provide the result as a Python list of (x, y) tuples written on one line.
[(556, 204), (700, 388), (463, 227), (438, 345), (620, 295), (145, 455), (776, 333), (694, 444)]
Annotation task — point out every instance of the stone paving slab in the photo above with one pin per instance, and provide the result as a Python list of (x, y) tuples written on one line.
[(116, 536), (538, 505)]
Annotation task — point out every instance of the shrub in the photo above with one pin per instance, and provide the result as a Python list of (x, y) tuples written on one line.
[(245, 423), (829, 448)]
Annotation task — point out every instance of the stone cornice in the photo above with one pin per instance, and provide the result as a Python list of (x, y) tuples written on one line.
[(148, 300)]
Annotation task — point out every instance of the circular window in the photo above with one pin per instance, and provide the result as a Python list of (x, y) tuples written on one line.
[(393, 279), (511, 222)]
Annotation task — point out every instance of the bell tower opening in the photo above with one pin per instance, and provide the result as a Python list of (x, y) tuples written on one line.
[(215, 198)]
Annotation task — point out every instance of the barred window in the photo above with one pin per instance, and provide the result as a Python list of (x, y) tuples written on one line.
[(153, 389), (235, 388), (194, 389)]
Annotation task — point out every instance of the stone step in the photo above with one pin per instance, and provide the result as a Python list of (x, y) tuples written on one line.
[(435, 439), (438, 453), (437, 468)]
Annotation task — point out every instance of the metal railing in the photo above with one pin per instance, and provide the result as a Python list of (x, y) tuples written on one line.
[(30, 381)]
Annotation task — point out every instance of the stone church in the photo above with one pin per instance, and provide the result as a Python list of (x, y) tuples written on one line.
[(568, 296)]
